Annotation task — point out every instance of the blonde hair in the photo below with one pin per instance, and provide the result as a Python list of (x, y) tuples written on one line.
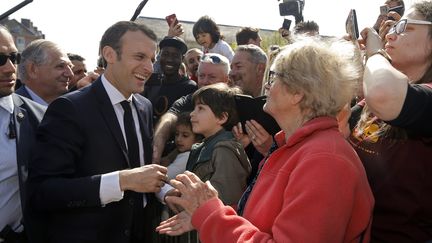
[(327, 72)]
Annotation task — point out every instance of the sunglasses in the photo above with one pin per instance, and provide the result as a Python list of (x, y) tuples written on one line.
[(14, 57), (400, 26), (214, 59)]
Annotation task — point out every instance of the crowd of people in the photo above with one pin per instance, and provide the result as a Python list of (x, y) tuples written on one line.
[(152, 147)]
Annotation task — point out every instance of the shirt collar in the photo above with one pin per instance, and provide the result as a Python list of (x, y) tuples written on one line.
[(6, 103), (114, 94), (36, 98)]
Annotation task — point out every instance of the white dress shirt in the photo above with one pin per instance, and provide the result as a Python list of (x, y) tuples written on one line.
[(110, 183)]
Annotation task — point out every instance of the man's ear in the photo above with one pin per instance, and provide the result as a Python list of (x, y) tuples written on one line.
[(261, 68), (109, 54), (32, 70)]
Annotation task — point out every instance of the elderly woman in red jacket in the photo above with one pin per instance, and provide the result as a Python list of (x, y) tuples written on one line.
[(312, 186)]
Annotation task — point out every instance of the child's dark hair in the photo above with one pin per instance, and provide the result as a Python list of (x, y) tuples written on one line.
[(184, 119), (205, 24), (220, 98)]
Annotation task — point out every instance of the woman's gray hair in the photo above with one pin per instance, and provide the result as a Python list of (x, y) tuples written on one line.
[(327, 72), (36, 52)]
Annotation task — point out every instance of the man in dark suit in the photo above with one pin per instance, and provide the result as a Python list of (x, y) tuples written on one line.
[(19, 118), (88, 175)]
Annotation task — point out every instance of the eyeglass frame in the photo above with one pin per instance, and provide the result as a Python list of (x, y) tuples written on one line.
[(14, 57), (393, 29), (271, 77)]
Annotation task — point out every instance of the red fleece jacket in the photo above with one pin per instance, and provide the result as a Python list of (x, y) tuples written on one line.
[(313, 188)]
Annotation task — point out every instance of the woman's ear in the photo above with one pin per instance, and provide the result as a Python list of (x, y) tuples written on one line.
[(297, 97)]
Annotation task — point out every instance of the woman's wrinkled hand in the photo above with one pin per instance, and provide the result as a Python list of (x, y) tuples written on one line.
[(194, 192), (176, 225), (260, 138)]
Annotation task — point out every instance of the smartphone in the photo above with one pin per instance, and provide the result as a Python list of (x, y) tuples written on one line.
[(286, 24), (351, 25), (384, 10), (171, 19)]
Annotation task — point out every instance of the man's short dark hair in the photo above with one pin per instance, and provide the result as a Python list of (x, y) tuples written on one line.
[(220, 98), (305, 27), (112, 36), (245, 34), (75, 57)]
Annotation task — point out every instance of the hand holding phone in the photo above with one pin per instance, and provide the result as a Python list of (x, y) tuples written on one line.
[(384, 10), (398, 9), (286, 24), (171, 19)]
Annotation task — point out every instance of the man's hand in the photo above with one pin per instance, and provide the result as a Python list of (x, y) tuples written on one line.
[(175, 30), (90, 78), (147, 178)]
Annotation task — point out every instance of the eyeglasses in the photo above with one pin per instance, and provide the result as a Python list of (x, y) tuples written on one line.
[(400, 26), (213, 58), (14, 57), (272, 76)]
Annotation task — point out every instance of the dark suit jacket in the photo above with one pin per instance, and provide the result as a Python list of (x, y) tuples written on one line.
[(78, 140), (27, 116), (23, 92)]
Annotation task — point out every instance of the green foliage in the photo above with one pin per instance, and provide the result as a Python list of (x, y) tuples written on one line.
[(274, 39)]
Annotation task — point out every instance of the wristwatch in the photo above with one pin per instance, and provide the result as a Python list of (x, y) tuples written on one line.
[(383, 53)]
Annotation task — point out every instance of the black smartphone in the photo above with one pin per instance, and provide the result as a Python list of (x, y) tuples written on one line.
[(351, 25), (172, 18), (250, 108), (286, 24)]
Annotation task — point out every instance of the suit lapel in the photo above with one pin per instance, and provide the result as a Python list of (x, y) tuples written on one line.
[(24, 137), (108, 113)]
